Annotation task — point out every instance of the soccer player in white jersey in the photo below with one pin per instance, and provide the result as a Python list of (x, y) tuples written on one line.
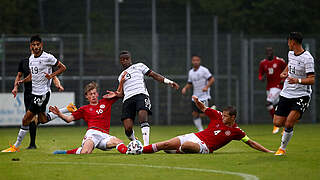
[(136, 96), (40, 64), (296, 93), (200, 79)]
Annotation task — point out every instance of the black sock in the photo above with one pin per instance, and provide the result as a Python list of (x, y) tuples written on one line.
[(33, 132)]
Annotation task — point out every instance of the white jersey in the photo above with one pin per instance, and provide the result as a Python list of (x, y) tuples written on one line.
[(298, 67), (134, 83), (199, 80), (38, 67)]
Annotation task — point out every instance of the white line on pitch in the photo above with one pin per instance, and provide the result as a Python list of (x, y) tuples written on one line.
[(243, 175)]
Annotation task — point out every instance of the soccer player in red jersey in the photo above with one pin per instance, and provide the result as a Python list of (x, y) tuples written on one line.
[(97, 114), (221, 130), (271, 68)]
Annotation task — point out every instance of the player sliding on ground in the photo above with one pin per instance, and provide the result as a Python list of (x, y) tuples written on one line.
[(221, 130), (97, 114)]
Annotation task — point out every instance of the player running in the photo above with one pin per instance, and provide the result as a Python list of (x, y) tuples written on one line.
[(270, 69), (97, 114), (40, 64), (296, 93), (200, 79), (136, 96), (221, 130)]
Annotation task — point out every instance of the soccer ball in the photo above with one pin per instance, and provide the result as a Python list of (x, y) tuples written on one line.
[(134, 147)]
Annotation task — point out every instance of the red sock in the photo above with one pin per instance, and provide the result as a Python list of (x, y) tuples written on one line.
[(72, 151), (272, 112), (151, 148), (122, 148)]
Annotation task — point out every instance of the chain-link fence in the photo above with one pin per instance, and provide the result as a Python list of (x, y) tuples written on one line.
[(163, 38)]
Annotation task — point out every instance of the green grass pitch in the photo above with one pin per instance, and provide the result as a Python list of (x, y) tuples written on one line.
[(234, 161)]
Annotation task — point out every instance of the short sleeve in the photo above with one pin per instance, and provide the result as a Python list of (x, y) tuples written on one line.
[(143, 68), (240, 134), (189, 77), (309, 64), (78, 114), (207, 73), (213, 114), (52, 60)]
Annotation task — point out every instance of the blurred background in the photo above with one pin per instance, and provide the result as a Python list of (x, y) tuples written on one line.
[(230, 36)]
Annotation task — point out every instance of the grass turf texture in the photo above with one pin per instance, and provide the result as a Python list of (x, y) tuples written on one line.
[(301, 162)]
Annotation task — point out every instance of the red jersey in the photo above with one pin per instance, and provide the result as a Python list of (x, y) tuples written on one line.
[(272, 69), (218, 134), (97, 116)]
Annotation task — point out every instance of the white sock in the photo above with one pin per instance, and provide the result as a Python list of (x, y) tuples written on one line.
[(64, 110), (54, 116), (198, 123), (145, 134), (79, 150), (20, 137), (285, 139)]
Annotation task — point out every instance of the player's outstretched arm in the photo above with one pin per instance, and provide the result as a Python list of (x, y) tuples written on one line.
[(55, 110), (16, 84), (162, 79), (258, 146), (119, 92), (199, 104), (186, 87)]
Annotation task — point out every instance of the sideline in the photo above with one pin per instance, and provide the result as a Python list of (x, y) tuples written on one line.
[(243, 175)]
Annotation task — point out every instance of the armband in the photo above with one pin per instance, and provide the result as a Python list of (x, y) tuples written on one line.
[(167, 81), (245, 139)]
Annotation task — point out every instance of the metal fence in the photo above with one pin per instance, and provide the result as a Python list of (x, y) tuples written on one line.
[(163, 38)]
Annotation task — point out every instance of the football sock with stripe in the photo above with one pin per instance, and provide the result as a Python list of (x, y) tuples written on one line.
[(22, 133), (287, 134), (145, 130)]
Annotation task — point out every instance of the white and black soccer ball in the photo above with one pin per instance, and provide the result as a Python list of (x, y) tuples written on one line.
[(134, 147)]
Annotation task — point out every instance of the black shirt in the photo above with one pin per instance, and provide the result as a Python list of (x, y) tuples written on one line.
[(24, 69)]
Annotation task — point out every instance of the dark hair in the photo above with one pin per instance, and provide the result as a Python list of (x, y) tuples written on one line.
[(124, 53), (296, 36), (231, 109), (35, 38), (92, 85), (195, 55)]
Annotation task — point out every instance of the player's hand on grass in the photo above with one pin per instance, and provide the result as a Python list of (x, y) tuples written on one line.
[(111, 94)]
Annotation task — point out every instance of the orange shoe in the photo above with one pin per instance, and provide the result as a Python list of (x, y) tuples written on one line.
[(280, 152), (12, 148), (71, 108), (275, 130)]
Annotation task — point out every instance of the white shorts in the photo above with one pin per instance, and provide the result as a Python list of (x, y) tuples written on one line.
[(193, 138), (273, 95), (100, 139)]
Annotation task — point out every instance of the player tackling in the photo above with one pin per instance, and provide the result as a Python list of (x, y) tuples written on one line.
[(97, 114), (296, 93), (221, 130)]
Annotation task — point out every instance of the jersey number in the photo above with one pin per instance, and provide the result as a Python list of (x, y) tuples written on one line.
[(34, 70), (100, 111), (270, 70), (216, 132), (292, 69)]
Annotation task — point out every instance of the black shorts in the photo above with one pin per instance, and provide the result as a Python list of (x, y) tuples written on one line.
[(286, 105), (39, 103), (27, 98), (196, 109), (134, 104)]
